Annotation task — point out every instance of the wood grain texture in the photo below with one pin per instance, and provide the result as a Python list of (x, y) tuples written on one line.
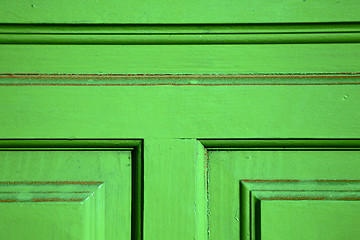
[(180, 112), (242, 182), (180, 59), (171, 189), (169, 73), (47, 179), (51, 191), (165, 11), (164, 34), (165, 29), (322, 220)]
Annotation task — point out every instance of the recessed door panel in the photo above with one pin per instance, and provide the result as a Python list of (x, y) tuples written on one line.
[(65, 194), (309, 219), (283, 194)]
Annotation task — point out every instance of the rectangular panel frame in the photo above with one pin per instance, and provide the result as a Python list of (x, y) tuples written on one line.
[(207, 145), (135, 146)]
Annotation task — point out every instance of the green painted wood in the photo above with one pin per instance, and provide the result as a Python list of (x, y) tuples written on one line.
[(157, 29), (280, 144), (318, 220), (315, 189), (140, 34), (180, 112), (180, 39), (72, 194), (180, 59), (171, 185), (201, 172), (38, 79), (170, 118), (55, 191), (161, 11), (44, 221), (202, 80), (71, 144)]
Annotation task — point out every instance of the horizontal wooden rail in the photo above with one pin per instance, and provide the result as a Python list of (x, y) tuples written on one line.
[(181, 39)]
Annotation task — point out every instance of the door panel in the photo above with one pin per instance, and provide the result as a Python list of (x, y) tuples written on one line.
[(65, 194), (283, 194), (310, 219), (33, 215)]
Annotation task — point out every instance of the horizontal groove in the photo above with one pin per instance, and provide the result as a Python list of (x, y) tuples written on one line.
[(180, 34), (283, 144), (310, 198), (178, 28), (284, 149), (136, 39), (66, 149), (66, 144)]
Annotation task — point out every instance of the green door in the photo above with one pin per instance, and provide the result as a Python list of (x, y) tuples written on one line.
[(151, 120)]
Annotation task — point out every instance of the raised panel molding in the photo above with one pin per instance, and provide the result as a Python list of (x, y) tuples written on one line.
[(277, 197), (71, 187), (201, 48), (44, 199), (253, 193), (52, 191)]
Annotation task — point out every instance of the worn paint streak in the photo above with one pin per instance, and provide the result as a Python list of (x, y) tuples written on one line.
[(179, 75), (176, 84), (176, 76), (271, 180), (173, 77), (55, 182), (46, 192), (56, 200)]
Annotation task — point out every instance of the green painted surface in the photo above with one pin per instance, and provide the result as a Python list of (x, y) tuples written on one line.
[(179, 59), (185, 11), (170, 189), (169, 119), (180, 112), (309, 220), (65, 194), (166, 29), (283, 194), (203, 72), (43, 221)]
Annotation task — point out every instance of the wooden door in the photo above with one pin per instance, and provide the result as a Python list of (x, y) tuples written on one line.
[(179, 120)]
